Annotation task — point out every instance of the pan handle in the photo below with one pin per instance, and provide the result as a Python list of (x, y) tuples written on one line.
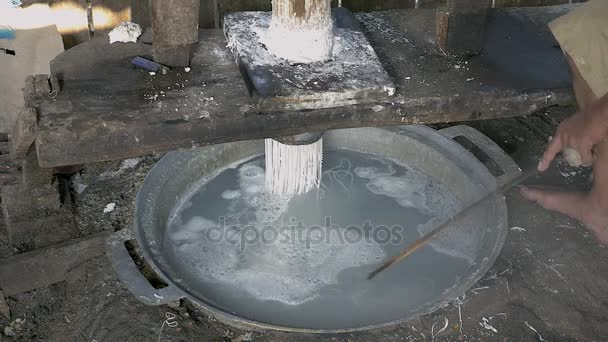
[(509, 168), (130, 275)]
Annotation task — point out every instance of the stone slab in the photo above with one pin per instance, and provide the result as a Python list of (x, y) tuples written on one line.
[(353, 75)]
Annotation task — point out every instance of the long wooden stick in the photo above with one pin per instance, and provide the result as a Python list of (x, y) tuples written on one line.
[(448, 223)]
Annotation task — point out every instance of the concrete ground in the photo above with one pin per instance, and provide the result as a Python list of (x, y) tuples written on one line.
[(550, 283)]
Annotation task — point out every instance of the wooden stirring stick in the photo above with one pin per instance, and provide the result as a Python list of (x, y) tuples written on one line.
[(448, 223)]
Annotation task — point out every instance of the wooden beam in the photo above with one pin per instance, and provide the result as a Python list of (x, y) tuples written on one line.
[(91, 122), (47, 266), (368, 6)]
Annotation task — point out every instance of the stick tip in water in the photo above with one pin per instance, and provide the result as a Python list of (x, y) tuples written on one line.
[(375, 273)]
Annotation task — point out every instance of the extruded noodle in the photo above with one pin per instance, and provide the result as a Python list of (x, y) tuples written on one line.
[(293, 169)]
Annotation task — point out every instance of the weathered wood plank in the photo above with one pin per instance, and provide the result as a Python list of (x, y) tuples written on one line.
[(24, 133), (4, 147), (369, 6), (47, 266), (6, 164), (8, 176), (140, 114), (124, 141), (20, 204), (8, 179)]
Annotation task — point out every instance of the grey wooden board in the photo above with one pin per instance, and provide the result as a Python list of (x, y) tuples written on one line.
[(108, 110), (352, 75), (511, 31), (46, 266)]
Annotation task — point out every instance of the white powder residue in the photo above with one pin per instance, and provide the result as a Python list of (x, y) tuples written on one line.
[(109, 208), (125, 32), (299, 46)]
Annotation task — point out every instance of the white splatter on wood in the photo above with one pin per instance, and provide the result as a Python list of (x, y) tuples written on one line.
[(485, 323), (109, 208)]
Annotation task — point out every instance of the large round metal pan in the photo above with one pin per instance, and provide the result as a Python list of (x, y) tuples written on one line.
[(435, 153)]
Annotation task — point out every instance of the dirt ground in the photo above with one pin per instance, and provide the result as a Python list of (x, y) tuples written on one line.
[(550, 282)]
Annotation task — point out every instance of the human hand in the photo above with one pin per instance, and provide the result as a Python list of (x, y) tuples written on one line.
[(580, 132)]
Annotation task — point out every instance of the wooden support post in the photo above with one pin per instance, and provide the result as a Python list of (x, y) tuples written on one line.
[(37, 88), (175, 26), (301, 30), (461, 26), (23, 133), (32, 208), (300, 14), (8, 170)]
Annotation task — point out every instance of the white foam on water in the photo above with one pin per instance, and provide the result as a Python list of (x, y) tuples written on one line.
[(411, 190), (267, 207), (231, 194), (406, 191), (459, 242), (293, 273), (370, 172), (287, 269), (192, 230), (251, 179)]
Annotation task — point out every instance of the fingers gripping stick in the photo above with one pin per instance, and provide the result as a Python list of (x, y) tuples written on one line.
[(570, 155)]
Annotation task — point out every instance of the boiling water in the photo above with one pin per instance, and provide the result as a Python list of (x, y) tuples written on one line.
[(306, 259)]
